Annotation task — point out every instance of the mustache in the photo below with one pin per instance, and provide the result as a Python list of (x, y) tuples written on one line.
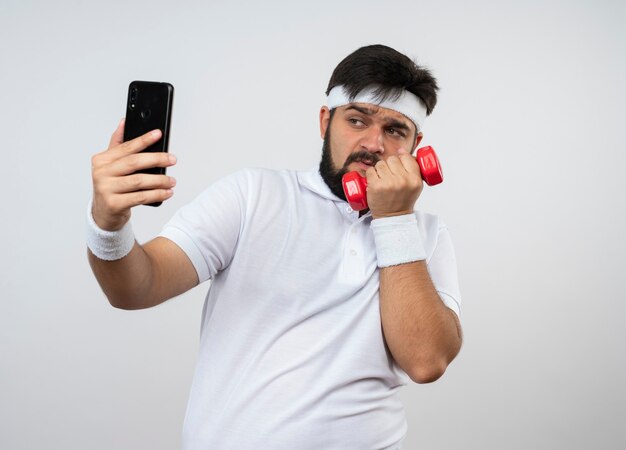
[(362, 156)]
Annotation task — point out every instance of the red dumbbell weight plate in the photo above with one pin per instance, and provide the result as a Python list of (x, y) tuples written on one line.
[(354, 186), (429, 166)]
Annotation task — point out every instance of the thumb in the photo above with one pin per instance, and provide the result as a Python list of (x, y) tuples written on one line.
[(118, 135)]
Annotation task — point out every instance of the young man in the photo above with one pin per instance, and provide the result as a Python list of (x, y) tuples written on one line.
[(316, 314)]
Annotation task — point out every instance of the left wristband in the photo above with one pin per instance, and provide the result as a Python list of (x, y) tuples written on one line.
[(397, 240), (108, 245)]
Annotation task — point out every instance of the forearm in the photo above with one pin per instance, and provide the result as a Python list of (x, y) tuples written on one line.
[(422, 334), (126, 282)]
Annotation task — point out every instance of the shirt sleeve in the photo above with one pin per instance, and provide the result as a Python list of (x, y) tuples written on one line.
[(208, 228), (442, 268)]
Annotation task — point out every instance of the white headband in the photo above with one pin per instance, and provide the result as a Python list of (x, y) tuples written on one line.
[(408, 103)]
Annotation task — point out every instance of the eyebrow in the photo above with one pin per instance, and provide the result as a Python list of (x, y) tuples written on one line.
[(394, 123), (362, 109)]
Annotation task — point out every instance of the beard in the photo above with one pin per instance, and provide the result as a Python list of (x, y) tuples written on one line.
[(331, 175)]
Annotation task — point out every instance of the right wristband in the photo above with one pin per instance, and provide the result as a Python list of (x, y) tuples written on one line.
[(397, 240), (108, 245)]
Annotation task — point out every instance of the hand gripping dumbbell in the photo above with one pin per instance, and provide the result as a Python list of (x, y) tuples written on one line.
[(355, 186)]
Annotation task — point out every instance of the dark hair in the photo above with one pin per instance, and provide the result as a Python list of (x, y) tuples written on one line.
[(391, 70)]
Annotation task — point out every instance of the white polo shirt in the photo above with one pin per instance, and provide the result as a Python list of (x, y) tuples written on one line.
[(292, 354)]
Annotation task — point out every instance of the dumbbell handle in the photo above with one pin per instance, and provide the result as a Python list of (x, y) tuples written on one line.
[(355, 186)]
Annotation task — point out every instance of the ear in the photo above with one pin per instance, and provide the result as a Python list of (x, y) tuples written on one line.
[(418, 139), (324, 120)]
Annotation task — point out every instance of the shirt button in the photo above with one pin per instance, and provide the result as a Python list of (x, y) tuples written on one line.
[(349, 209), (353, 252)]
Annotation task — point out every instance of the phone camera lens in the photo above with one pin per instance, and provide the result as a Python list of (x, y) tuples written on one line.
[(132, 105)]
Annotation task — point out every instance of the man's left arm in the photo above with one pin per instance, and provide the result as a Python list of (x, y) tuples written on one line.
[(422, 333)]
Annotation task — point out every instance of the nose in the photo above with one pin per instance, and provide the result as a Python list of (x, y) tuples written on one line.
[(373, 140)]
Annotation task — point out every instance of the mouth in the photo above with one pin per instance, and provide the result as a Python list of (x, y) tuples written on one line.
[(362, 165), (363, 160)]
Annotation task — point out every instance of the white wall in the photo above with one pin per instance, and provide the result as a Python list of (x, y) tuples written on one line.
[(529, 129)]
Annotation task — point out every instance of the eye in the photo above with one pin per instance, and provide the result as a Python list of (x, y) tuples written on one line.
[(396, 132), (356, 122)]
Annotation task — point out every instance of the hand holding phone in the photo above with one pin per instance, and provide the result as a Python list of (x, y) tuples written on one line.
[(131, 171)]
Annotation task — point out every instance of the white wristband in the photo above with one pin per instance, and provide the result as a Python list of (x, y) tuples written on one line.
[(397, 240), (108, 245)]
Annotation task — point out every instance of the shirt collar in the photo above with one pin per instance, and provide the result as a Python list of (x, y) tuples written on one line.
[(313, 181)]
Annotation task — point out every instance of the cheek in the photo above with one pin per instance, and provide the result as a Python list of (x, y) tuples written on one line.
[(392, 147), (340, 149)]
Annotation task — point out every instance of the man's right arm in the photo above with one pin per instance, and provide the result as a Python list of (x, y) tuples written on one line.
[(147, 276), (158, 270)]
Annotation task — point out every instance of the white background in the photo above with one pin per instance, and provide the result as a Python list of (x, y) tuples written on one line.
[(529, 128)]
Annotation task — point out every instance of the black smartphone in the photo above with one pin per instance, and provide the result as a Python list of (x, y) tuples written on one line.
[(149, 106)]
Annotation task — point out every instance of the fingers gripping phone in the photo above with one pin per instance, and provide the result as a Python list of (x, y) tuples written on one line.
[(149, 106)]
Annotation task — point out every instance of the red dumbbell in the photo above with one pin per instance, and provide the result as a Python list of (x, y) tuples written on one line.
[(354, 185)]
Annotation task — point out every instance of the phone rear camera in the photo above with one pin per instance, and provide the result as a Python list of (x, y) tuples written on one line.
[(145, 113), (132, 106)]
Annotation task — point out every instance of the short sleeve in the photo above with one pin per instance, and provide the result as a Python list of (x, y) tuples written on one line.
[(442, 268), (208, 228)]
